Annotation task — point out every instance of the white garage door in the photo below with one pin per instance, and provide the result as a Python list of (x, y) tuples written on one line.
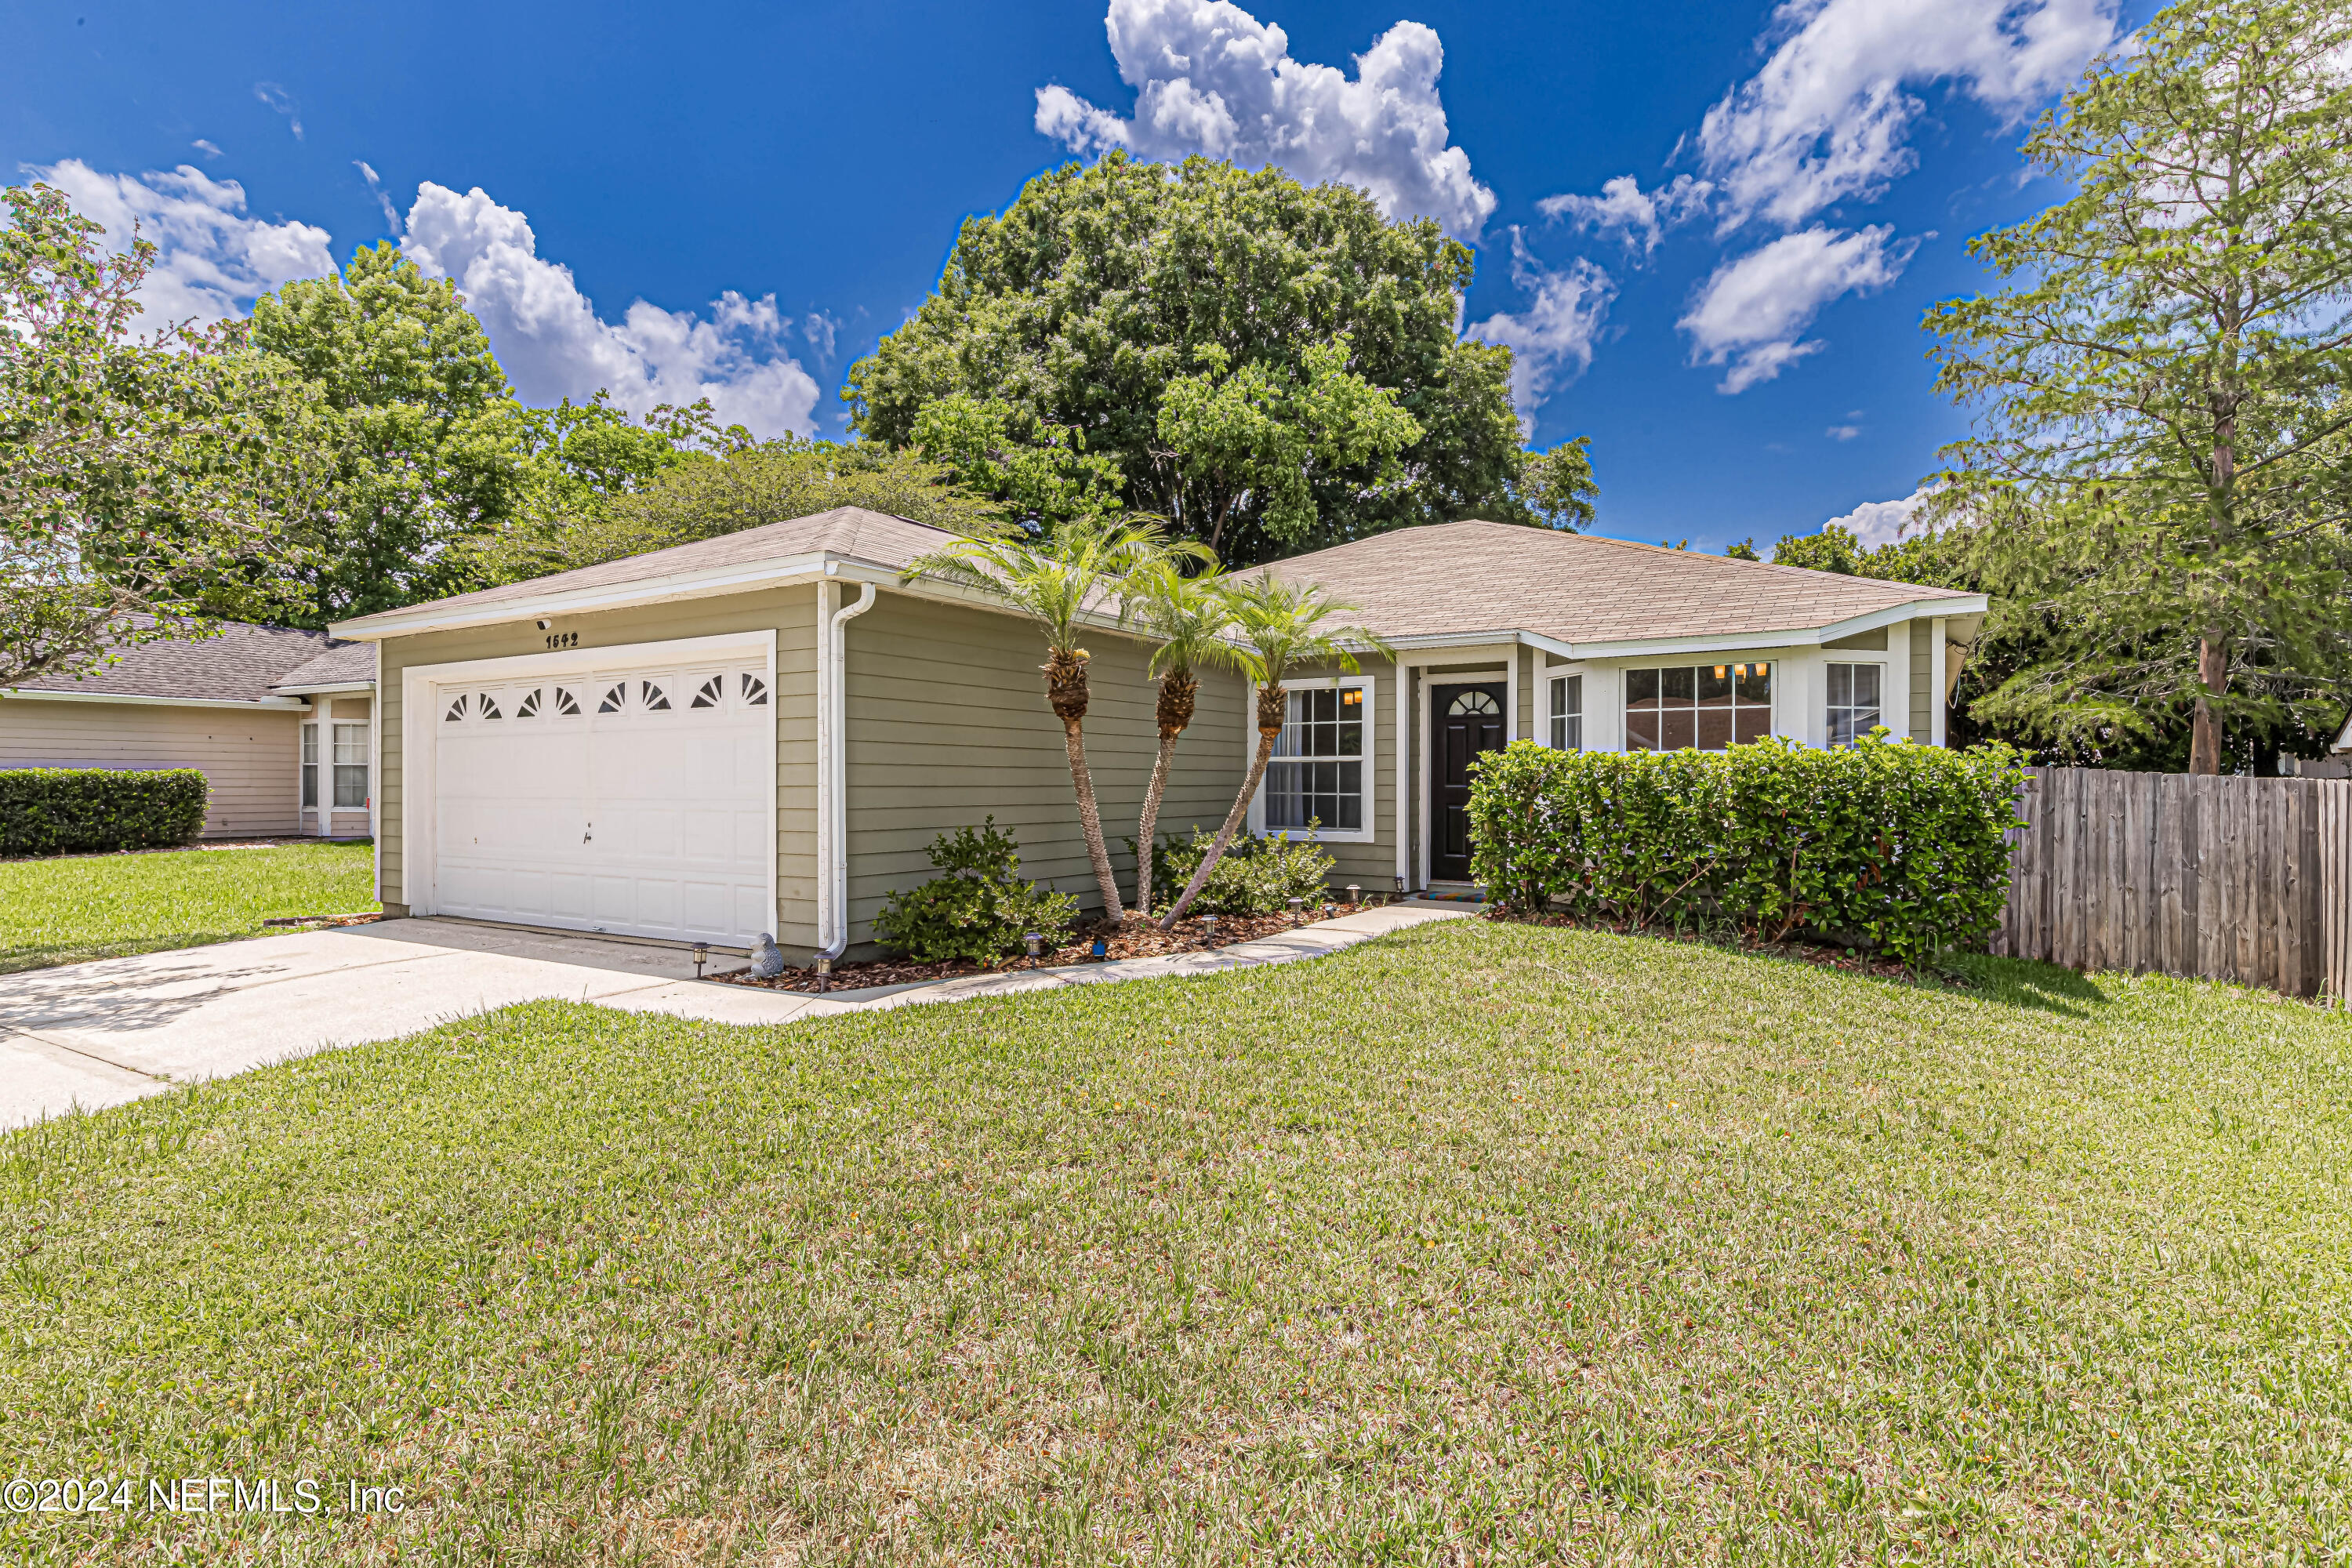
[(632, 801)]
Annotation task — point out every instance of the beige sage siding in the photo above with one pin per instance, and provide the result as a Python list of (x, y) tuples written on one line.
[(1373, 866), (1922, 687), (790, 612), (247, 756), (948, 723)]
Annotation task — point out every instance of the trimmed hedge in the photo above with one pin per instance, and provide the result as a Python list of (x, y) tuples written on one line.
[(1898, 845), (85, 810)]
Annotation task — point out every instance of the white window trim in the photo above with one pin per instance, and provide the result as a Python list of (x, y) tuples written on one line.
[(366, 764), (1551, 675), (1841, 656), (1370, 832)]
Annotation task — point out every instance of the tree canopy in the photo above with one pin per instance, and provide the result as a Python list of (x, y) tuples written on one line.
[(2162, 469), (144, 478), (1271, 368)]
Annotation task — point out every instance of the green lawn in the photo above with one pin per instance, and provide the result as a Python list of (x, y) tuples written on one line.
[(1478, 1244), (102, 906)]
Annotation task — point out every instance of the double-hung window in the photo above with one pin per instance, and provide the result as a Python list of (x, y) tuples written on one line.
[(1568, 713), (351, 765), (310, 766), (1317, 776), (1709, 706), (1853, 701)]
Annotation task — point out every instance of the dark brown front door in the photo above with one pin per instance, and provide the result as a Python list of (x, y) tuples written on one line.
[(1469, 719)]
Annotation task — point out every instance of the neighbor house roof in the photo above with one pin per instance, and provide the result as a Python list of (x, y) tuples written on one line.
[(707, 566), (336, 664), (239, 663), (1443, 580)]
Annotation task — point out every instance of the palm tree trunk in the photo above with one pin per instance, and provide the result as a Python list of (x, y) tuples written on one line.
[(1233, 818), (1178, 690), (1090, 823)]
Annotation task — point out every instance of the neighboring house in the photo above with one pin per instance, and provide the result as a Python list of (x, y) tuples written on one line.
[(277, 720), (765, 731)]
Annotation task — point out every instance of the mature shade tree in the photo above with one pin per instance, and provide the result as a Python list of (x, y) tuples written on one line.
[(715, 483), (430, 444), (142, 475), (1279, 625), (2164, 458), (1273, 367)]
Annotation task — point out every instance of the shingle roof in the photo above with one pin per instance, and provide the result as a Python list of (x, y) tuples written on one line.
[(240, 663), (1480, 576), (339, 664), (847, 531)]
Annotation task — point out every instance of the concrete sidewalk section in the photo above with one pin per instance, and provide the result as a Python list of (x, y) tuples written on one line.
[(92, 1035)]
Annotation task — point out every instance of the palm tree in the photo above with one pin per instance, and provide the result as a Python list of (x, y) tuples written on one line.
[(1062, 583), (1188, 616), (1281, 627)]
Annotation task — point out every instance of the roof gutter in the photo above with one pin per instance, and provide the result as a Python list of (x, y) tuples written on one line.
[(267, 704)]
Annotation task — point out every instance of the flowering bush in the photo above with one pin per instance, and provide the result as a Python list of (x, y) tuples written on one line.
[(1902, 846)]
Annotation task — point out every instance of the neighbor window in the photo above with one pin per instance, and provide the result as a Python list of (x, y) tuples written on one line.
[(1317, 776), (1568, 713), (1853, 701), (310, 766), (1710, 705), (350, 764)]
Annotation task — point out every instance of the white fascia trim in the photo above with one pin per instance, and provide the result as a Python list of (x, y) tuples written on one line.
[(1794, 637), (699, 585), (267, 704), (342, 688)]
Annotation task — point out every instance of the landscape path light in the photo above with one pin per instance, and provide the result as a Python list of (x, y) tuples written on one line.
[(702, 957), (1298, 910)]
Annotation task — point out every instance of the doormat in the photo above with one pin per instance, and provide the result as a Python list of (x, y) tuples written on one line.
[(1454, 895)]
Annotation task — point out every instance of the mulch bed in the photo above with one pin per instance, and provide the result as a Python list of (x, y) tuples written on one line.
[(1136, 939), (1826, 954)]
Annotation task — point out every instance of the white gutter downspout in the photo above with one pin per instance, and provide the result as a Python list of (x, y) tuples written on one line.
[(831, 775)]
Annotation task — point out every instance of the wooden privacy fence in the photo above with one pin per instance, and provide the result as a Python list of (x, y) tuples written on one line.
[(2240, 880)]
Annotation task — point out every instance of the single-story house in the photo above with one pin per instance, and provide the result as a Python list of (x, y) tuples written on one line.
[(278, 721), (765, 731)]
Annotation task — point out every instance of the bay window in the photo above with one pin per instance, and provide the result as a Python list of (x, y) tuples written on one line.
[(1853, 701), (1568, 713), (1706, 706)]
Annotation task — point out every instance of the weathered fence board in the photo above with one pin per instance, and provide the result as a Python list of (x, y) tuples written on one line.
[(2239, 879)]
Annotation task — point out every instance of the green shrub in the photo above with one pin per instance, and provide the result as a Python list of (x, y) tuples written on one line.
[(87, 811), (978, 908), (1897, 845), (1253, 876)]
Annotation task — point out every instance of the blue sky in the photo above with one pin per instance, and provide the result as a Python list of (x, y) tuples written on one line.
[(737, 202)]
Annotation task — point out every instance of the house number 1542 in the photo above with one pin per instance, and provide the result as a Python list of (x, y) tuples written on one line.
[(563, 639)]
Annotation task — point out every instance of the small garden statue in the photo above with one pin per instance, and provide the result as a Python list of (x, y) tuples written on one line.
[(767, 958)]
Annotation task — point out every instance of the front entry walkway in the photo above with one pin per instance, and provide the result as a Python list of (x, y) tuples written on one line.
[(92, 1035)]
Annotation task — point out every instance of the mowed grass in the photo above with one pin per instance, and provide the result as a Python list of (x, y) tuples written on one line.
[(80, 907), (1477, 1243)]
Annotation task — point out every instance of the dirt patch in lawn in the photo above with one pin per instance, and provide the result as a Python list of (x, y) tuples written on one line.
[(1136, 938)]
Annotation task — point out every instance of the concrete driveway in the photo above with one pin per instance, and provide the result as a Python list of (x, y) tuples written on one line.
[(92, 1035), (103, 1033)]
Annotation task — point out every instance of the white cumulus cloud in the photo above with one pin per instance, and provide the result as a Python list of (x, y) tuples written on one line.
[(1625, 212), (1827, 116), (1551, 341), (1876, 522), (1211, 79), (1751, 314), (554, 344), (213, 259)]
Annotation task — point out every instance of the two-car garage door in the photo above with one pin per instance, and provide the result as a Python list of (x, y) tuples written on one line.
[(631, 800)]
